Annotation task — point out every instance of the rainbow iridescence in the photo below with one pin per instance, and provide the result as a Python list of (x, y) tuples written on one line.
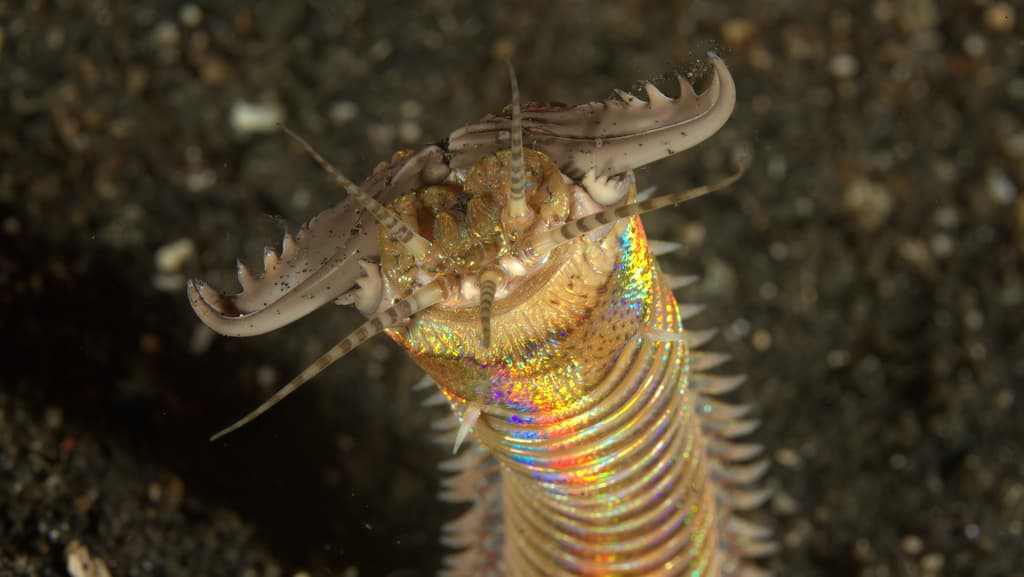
[(603, 462)]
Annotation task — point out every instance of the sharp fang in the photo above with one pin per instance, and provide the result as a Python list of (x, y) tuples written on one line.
[(289, 248), (270, 259), (245, 277), (655, 96), (628, 98), (686, 91), (469, 418)]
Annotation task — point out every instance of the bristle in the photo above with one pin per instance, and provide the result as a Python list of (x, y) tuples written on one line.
[(731, 452), (676, 282), (436, 399), (663, 247), (424, 383), (697, 339), (687, 312), (701, 361), (469, 418)]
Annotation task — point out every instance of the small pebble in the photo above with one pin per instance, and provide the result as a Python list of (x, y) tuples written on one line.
[(410, 109), (166, 35), (53, 417), (1000, 187), (1000, 17), (737, 31), (975, 45), (190, 15), (785, 504), (912, 545), (761, 341), (171, 257), (844, 66), (255, 118), (409, 132), (932, 563), (343, 112), (788, 458), (869, 204), (81, 563)]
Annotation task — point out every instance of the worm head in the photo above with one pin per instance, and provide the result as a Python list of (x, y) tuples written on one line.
[(486, 253)]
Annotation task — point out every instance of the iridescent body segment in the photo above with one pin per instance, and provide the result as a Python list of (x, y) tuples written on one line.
[(521, 280)]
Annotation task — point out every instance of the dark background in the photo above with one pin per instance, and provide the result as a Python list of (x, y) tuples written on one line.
[(866, 272)]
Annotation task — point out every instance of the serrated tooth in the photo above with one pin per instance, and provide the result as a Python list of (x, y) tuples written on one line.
[(687, 312), (289, 248), (697, 339), (678, 281), (245, 277), (686, 91), (628, 98), (655, 96), (270, 259)]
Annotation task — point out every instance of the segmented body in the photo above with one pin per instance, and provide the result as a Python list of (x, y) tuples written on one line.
[(598, 448)]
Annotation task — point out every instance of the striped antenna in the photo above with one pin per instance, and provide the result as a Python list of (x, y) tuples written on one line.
[(427, 296), (398, 230), (517, 208), (488, 285), (543, 242)]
